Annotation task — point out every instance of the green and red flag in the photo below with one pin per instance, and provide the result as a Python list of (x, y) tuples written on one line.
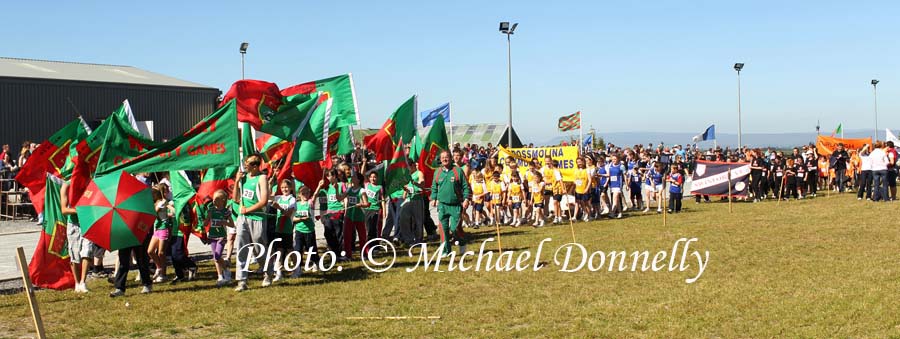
[(117, 211), (49, 266), (88, 150), (49, 157), (569, 122), (257, 101), (397, 173), (215, 179), (432, 145), (182, 190), (271, 147), (400, 125), (213, 142), (340, 89)]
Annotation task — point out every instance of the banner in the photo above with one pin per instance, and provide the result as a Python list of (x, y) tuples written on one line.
[(826, 145), (211, 143), (564, 156), (711, 178)]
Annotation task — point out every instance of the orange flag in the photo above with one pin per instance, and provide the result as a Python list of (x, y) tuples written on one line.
[(826, 145)]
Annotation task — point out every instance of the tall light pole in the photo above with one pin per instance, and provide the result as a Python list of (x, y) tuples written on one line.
[(738, 67), (509, 31), (244, 46), (875, 93)]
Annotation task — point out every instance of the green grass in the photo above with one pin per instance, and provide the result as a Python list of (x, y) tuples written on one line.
[(825, 267)]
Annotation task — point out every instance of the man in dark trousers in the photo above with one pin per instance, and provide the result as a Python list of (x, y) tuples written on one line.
[(838, 162)]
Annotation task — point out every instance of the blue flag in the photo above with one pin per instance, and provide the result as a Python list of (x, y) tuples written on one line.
[(429, 115), (709, 134), (589, 141)]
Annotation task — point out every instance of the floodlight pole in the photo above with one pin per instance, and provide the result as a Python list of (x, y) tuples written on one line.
[(875, 94), (509, 79), (740, 141)]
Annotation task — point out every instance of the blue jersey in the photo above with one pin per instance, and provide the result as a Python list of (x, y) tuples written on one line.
[(677, 178), (654, 177), (616, 175), (601, 172)]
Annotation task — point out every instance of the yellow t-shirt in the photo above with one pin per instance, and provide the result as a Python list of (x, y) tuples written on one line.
[(515, 192), (581, 180), (496, 190), (478, 188), (537, 196)]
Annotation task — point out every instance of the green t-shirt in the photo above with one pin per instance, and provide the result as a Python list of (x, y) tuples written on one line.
[(283, 222), (373, 193), (335, 205), (250, 196), (354, 196), (163, 221), (217, 222), (304, 210), (415, 191)]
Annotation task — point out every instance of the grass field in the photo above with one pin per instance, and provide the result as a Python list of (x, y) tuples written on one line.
[(825, 267)]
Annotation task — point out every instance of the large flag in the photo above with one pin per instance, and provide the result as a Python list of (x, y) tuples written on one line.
[(889, 136), (317, 141), (340, 90), (293, 115), (432, 145), (49, 266), (88, 150), (182, 190), (826, 145), (215, 179), (429, 116), (257, 100), (708, 134), (569, 122), (271, 147), (211, 143), (50, 157), (397, 174), (711, 178), (400, 125)]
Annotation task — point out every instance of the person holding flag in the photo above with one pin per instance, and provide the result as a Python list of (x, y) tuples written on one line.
[(450, 193), (251, 195), (80, 249)]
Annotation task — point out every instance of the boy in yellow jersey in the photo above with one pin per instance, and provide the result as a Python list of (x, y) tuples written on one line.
[(537, 199), (514, 197), (479, 191), (495, 189), (582, 186), (556, 182), (547, 174)]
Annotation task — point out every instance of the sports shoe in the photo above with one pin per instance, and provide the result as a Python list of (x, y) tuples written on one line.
[(191, 273), (160, 278), (147, 289), (619, 216), (241, 286), (647, 210), (277, 276), (266, 281), (541, 224), (116, 293)]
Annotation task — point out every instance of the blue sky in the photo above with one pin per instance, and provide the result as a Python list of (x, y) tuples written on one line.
[(628, 66)]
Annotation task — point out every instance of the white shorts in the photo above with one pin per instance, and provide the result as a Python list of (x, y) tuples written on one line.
[(615, 190), (79, 247), (230, 230)]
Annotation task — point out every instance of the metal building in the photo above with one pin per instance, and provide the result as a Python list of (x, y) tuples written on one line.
[(39, 97)]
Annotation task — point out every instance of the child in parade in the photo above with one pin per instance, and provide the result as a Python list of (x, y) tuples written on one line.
[(537, 198), (355, 217), (479, 192), (304, 229), (676, 181), (165, 212), (284, 205), (515, 196), (219, 219), (496, 188), (582, 185)]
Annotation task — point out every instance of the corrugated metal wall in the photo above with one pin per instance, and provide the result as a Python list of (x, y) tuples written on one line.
[(33, 109)]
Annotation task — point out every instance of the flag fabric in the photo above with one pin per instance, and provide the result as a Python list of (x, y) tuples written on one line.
[(401, 125), (49, 266), (433, 144), (397, 174), (711, 178), (709, 134), (318, 140), (271, 147), (569, 122), (339, 89), (215, 179), (826, 145), (429, 116), (210, 143), (889, 136), (127, 114), (248, 142), (293, 115), (49, 157), (589, 141), (257, 100), (182, 190), (838, 130), (88, 150)]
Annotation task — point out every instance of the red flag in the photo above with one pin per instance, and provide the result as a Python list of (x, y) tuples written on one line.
[(49, 267), (256, 100), (400, 125)]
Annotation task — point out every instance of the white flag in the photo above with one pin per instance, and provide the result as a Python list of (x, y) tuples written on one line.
[(888, 136)]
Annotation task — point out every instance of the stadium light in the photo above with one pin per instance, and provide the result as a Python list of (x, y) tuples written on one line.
[(505, 28), (244, 46)]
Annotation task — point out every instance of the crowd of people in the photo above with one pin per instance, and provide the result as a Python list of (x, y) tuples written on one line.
[(473, 188)]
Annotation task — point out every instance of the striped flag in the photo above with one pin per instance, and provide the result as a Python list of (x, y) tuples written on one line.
[(570, 122)]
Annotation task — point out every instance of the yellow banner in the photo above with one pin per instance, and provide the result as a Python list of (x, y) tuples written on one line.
[(826, 145), (564, 156)]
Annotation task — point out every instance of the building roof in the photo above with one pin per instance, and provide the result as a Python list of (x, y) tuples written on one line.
[(76, 71)]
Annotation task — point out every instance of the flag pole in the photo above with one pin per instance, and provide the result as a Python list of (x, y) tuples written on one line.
[(450, 121), (662, 196), (580, 135), (730, 208)]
